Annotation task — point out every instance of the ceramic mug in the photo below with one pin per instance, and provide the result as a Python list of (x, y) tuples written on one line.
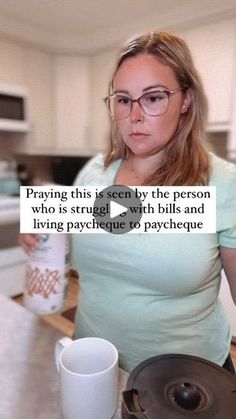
[(88, 370)]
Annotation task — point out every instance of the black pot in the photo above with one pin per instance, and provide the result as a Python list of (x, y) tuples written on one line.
[(179, 386)]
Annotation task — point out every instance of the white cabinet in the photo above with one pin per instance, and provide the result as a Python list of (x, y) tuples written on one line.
[(39, 80), (231, 146), (12, 68), (102, 66), (59, 97), (213, 46), (72, 105)]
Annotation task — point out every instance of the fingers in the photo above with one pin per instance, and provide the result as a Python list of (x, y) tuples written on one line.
[(28, 242)]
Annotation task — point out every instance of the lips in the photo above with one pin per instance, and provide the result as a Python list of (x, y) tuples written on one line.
[(138, 134)]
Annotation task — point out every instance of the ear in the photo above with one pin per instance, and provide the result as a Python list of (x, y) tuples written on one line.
[(187, 101)]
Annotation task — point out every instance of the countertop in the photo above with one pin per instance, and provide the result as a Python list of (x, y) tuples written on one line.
[(29, 381)]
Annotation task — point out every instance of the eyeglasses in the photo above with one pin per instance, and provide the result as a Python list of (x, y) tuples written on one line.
[(152, 103)]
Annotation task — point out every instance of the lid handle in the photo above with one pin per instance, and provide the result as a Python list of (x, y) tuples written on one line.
[(132, 405)]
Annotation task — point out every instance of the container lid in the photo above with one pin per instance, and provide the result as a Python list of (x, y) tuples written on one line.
[(179, 386)]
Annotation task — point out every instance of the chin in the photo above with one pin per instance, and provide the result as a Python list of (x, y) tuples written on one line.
[(142, 152), (138, 149)]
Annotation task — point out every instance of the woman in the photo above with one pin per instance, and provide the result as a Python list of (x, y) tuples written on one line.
[(156, 294)]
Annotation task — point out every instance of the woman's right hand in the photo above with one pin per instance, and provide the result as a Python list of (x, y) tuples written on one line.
[(28, 242)]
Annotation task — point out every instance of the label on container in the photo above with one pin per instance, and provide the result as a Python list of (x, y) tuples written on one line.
[(52, 249), (45, 287)]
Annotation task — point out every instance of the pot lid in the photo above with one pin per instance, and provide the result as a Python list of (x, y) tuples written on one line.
[(179, 386)]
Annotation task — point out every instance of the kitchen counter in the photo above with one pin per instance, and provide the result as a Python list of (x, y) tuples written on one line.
[(29, 381)]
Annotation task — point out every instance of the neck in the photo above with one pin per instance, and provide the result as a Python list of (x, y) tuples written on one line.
[(145, 165)]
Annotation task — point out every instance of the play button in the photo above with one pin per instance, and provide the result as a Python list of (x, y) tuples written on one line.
[(116, 209), (123, 209)]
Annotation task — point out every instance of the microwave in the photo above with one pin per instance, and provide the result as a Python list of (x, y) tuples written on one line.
[(14, 112)]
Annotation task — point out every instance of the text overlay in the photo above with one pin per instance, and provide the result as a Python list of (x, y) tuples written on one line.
[(117, 209)]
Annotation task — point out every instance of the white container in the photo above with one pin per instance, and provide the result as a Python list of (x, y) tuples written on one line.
[(46, 282), (52, 249)]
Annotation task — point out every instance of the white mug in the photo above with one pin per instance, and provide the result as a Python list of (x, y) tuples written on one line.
[(88, 370)]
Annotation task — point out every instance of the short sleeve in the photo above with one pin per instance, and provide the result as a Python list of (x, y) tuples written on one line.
[(227, 213), (88, 174), (94, 173)]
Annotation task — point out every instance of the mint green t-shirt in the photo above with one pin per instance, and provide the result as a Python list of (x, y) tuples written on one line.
[(156, 294)]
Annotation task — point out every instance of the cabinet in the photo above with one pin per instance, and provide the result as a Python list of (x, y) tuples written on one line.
[(12, 69), (231, 143), (102, 66), (59, 97), (72, 105), (39, 80), (213, 46)]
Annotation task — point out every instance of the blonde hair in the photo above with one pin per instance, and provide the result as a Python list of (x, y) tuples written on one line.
[(186, 158)]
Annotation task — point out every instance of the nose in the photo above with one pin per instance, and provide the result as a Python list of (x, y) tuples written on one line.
[(136, 113)]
